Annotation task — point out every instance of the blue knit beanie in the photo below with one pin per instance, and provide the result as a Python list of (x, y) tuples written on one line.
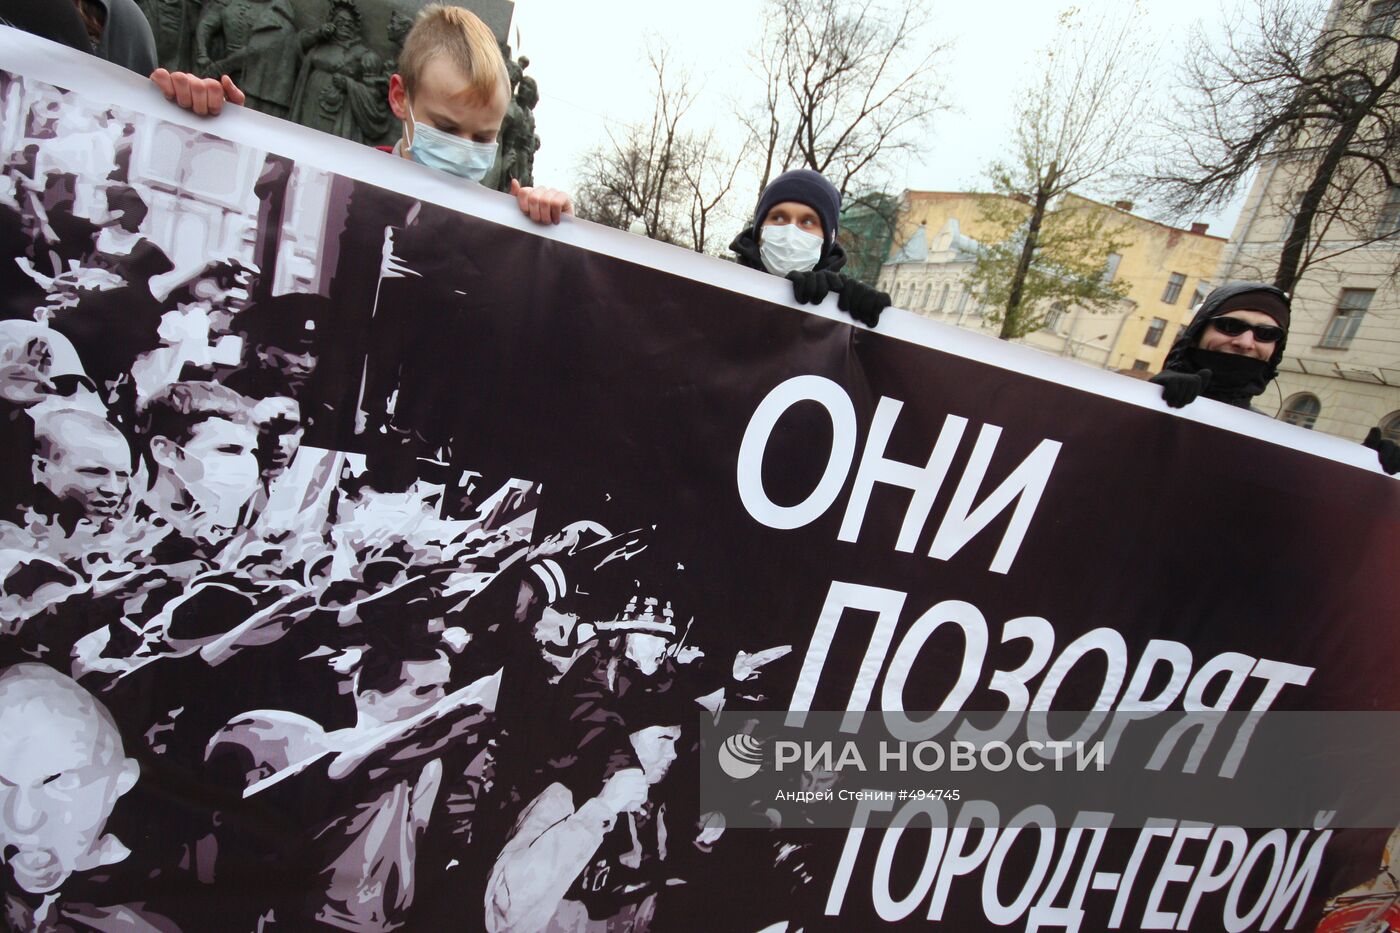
[(805, 187)]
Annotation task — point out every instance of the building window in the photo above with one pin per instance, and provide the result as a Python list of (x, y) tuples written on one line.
[(1302, 410), (1199, 297), (1389, 223), (1381, 19), (1390, 427), (1155, 330), (1053, 319), (942, 298), (1110, 268), (1139, 366), (1174, 283), (1350, 310)]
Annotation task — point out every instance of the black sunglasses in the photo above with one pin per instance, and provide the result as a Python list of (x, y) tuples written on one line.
[(1233, 327)]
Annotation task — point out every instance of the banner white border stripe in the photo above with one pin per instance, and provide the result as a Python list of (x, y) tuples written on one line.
[(110, 84)]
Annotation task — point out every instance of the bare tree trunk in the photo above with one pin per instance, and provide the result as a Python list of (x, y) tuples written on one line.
[(1286, 276), (1290, 266), (1011, 319)]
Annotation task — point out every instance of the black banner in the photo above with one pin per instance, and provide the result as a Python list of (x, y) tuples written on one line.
[(372, 557)]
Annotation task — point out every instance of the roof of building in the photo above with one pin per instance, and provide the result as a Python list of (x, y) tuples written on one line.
[(951, 195), (915, 250)]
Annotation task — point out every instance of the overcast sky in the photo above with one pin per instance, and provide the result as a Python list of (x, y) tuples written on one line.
[(589, 59)]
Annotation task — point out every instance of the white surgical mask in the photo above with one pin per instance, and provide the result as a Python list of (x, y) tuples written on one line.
[(787, 248), (452, 154), (220, 486)]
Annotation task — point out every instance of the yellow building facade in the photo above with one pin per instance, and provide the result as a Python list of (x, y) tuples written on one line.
[(1167, 271)]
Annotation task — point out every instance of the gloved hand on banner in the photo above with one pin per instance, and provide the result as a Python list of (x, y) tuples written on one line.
[(862, 302), (811, 288), (1387, 450), (1181, 389)]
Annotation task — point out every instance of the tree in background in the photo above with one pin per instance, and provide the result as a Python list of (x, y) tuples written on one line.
[(1076, 127), (1313, 92), (1068, 265), (849, 88), (708, 174), (670, 178)]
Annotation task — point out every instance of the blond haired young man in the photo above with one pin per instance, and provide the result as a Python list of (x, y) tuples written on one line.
[(451, 95)]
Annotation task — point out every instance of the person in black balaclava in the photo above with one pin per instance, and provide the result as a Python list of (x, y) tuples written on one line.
[(1231, 350), (794, 235)]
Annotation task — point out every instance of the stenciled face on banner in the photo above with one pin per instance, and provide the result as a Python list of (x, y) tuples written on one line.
[(370, 566)]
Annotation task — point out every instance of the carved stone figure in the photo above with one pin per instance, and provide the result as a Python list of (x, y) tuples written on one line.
[(173, 22), (515, 155), (255, 43), (515, 68), (396, 31), (341, 86), (518, 140)]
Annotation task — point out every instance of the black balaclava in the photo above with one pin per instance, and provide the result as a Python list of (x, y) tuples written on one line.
[(1235, 380), (805, 187)]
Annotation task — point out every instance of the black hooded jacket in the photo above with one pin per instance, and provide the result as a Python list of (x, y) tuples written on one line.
[(745, 246), (1179, 360)]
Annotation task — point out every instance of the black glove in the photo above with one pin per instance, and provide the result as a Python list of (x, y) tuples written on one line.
[(1388, 451), (862, 302), (1181, 389), (811, 288)]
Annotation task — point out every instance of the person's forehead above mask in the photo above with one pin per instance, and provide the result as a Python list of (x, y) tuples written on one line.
[(445, 99), (802, 216), (221, 436), (806, 187)]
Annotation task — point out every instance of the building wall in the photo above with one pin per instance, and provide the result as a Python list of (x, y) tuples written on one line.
[(1114, 339), (1156, 252), (934, 208)]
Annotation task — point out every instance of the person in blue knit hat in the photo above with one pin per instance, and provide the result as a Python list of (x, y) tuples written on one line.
[(794, 235)]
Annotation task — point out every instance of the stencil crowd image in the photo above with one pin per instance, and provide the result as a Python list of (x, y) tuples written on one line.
[(272, 654)]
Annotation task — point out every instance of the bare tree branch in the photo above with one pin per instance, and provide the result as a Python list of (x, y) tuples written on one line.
[(662, 174), (1302, 85), (850, 86)]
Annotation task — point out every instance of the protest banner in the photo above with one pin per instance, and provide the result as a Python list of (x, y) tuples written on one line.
[(374, 557)]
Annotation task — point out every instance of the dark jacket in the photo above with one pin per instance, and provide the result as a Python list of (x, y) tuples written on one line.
[(745, 247), (57, 21), (127, 39), (1179, 359)]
